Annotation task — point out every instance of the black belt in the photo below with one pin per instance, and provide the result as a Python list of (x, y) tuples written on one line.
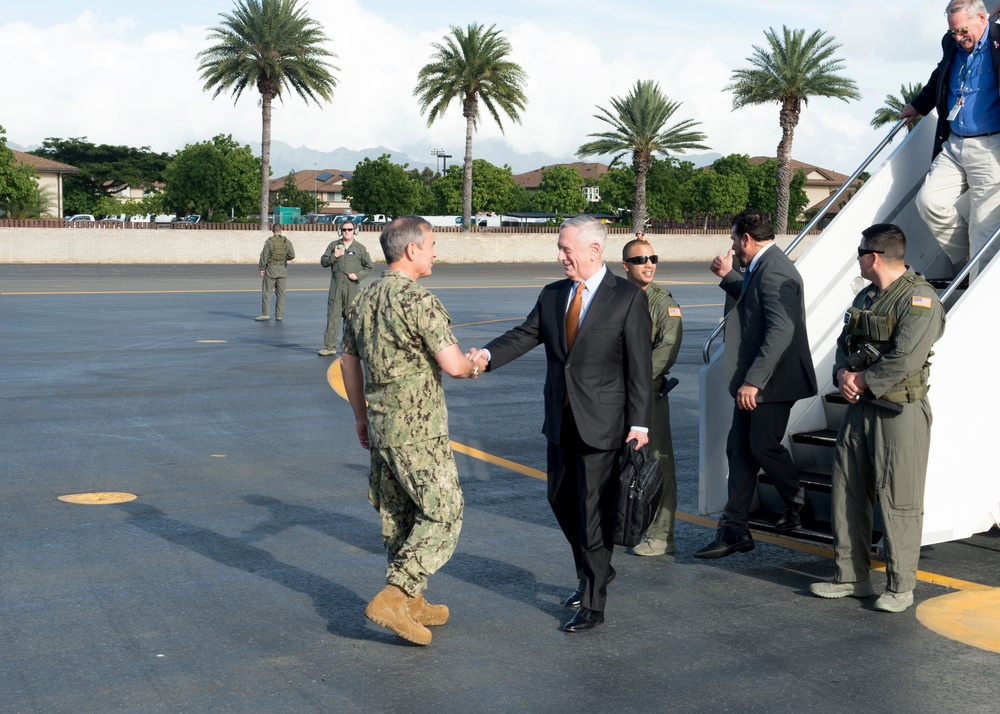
[(978, 136)]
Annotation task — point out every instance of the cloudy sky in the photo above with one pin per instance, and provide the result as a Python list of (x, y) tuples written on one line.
[(125, 73)]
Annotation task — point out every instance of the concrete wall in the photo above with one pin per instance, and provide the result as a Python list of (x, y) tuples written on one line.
[(56, 245)]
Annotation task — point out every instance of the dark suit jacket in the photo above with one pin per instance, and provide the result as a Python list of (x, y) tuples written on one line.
[(935, 93), (766, 341), (607, 373)]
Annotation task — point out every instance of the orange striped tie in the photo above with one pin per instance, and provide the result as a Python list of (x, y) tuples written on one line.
[(573, 316)]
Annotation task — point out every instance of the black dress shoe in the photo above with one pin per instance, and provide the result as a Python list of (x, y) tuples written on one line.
[(584, 619), (727, 541), (576, 599), (791, 520)]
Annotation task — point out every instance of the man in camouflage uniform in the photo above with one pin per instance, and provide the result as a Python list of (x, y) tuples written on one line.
[(396, 344), (883, 352), (273, 267), (639, 263), (349, 264)]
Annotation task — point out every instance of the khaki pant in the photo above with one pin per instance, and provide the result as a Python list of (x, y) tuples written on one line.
[(276, 285), (883, 454), (960, 198)]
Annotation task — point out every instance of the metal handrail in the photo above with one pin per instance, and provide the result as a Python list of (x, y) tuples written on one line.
[(967, 268), (817, 218)]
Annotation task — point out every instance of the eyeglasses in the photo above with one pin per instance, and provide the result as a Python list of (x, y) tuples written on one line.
[(959, 31), (868, 251), (641, 259), (346, 230)]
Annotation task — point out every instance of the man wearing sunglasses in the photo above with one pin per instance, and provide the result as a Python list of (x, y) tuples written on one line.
[(960, 200), (639, 263), (894, 323), (769, 368), (349, 264)]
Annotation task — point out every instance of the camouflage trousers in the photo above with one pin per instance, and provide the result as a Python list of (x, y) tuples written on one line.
[(416, 491)]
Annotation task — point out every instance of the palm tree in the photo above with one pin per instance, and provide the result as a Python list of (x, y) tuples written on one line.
[(888, 113), (793, 69), (637, 125), (274, 45), (471, 65)]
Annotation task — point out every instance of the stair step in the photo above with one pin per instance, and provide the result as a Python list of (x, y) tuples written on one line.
[(812, 451), (763, 522), (820, 437), (940, 284)]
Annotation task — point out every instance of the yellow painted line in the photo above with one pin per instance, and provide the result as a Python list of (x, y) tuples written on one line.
[(970, 619), (966, 616), (98, 499)]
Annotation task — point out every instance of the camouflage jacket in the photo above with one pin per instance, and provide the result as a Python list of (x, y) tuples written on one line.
[(396, 327)]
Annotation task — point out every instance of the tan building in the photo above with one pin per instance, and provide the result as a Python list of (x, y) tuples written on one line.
[(49, 175), (819, 186), (589, 172), (326, 185)]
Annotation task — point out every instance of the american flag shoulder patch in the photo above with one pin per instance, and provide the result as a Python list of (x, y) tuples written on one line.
[(673, 312), (920, 301)]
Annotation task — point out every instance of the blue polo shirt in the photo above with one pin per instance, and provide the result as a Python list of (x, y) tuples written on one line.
[(971, 76)]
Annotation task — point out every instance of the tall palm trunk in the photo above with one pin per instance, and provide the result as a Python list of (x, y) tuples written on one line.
[(470, 116), (265, 156), (641, 166), (788, 118)]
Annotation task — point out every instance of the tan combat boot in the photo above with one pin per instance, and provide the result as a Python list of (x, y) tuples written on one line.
[(425, 613), (389, 609)]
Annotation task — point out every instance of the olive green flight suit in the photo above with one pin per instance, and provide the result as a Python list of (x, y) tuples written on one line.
[(880, 453), (667, 334), (274, 262), (343, 290)]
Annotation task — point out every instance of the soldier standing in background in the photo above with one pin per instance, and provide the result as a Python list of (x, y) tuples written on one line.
[(640, 268), (883, 352), (396, 344), (349, 264), (273, 267)]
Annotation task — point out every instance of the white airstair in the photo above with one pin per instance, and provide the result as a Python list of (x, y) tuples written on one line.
[(963, 488)]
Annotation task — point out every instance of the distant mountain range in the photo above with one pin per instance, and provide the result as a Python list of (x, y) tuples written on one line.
[(285, 158)]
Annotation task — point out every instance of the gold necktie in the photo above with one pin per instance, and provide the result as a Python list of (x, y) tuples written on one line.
[(573, 316)]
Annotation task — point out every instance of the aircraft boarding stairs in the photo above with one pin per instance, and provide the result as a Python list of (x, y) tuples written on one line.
[(963, 492)]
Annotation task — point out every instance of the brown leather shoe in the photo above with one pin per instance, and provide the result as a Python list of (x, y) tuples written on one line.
[(425, 613), (388, 609)]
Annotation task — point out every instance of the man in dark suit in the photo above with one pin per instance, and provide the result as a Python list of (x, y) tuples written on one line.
[(769, 368), (595, 328), (960, 200)]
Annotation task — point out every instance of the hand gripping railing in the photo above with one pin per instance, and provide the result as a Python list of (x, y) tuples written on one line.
[(819, 216)]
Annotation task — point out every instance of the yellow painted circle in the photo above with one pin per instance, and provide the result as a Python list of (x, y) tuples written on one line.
[(98, 499), (968, 616)]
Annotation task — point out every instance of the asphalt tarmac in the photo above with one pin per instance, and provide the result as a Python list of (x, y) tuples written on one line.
[(236, 579)]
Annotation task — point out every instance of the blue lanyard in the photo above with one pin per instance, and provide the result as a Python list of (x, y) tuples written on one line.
[(967, 67)]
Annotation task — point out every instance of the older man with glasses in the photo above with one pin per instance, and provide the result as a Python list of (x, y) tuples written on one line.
[(959, 200)]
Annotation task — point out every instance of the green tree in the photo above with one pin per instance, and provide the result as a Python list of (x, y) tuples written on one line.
[(560, 192), (717, 195), (275, 46), (423, 180), (888, 113), (493, 189), (293, 196), (472, 66), (381, 186), (104, 170), (19, 191), (637, 127), (790, 71), (213, 176), (667, 188)]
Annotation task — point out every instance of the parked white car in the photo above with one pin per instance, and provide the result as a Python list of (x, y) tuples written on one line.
[(141, 219), (82, 218)]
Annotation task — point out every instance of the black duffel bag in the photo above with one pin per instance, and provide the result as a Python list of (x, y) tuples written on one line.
[(640, 483)]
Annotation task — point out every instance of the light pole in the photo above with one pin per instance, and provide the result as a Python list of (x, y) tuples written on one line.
[(444, 156)]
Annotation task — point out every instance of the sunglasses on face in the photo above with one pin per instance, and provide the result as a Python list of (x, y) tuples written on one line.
[(862, 252), (641, 259), (346, 230)]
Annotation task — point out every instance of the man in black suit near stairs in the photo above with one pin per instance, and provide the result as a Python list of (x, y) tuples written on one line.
[(769, 368)]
